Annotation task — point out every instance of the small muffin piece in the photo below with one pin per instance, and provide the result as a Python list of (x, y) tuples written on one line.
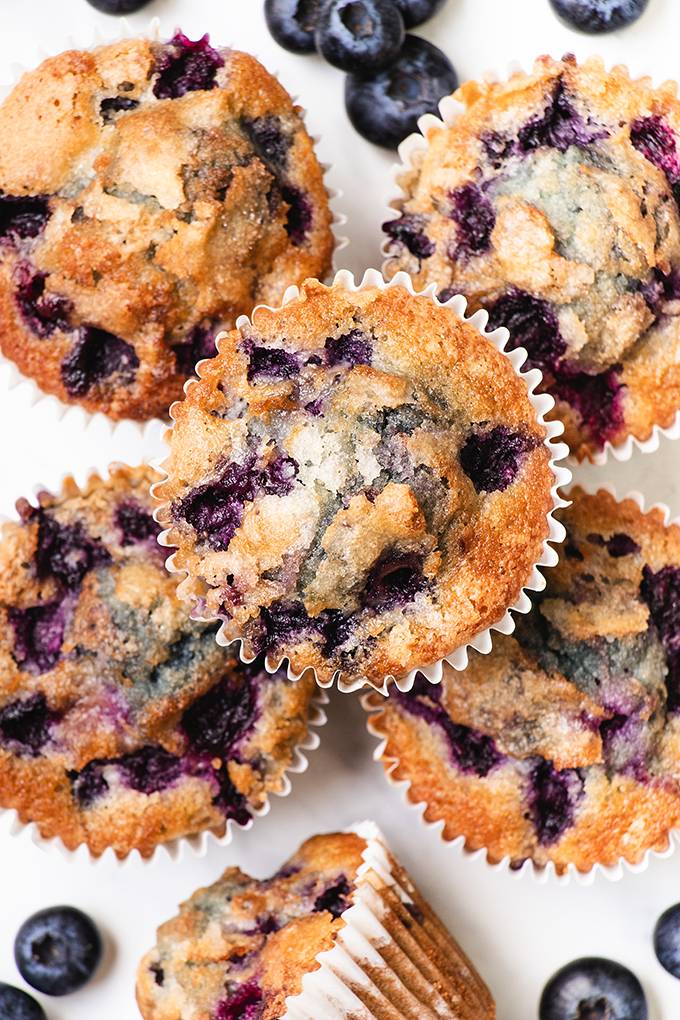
[(562, 745), (358, 482), (122, 722), (251, 949), (154, 193), (552, 201)]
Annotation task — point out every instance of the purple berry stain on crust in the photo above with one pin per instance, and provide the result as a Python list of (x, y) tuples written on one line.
[(409, 230), (532, 324), (199, 344), (492, 458), (42, 311), (97, 355), (597, 399), (394, 580), (186, 66), (661, 592), (245, 1002), (271, 363), (353, 348), (559, 126), (66, 552), (653, 137), (335, 899), (474, 216), (22, 217), (135, 523), (25, 725), (38, 636), (553, 798)]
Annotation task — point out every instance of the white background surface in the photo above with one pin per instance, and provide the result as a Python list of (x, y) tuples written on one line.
[(517, 931)]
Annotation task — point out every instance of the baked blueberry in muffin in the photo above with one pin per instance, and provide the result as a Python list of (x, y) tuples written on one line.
[(358, 482), (122, 722), (154, 193), (241, 949), (563, 744), (552, 201)]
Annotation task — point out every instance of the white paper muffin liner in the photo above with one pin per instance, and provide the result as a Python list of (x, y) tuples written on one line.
[(198, 844), (541, 402), (528, 871), (10, 375), (382, 968), (410, 152)]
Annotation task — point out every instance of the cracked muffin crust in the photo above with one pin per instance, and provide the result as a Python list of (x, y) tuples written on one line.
[(358, 482), (241, 948), (122, 722), (552, 201), (155, 192), (563, 744)]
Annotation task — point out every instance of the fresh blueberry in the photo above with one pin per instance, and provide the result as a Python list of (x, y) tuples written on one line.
[(593, 989), (415, 12), (118, 6), (385, 107), (667, 940), (359, 35), (57, 950), (598, 16), (17, 1005), (292, 23)]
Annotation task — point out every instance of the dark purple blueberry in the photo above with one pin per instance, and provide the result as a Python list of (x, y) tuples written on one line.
[(559, 126), (158, 974), (657, 142), (228, 799), (25, 725), (553, 797), (492, 458), (108, 108), (415, 12), (42, 311), (66, 552), (186, 66), (660, 289), (278, 477), (219, 719), (292, 23), (385, 107), (58, 950), (667, 940), (287, 621), (598, 16), (245, 1002), (272, 363), (394, 581), (265, 925), (593, 989), (38, 636), (118, 6), (361, 36), (532, 324), (97, 355), (335, 899), (199, 344), (474, 216), (135, 523), (353, 348), (337, 630), (409, 230), (150, 769), (617, 546), (17, 1005), (271, 144), (300, 214), (22, 217), (88, 785), (661, 592), (597, 399)]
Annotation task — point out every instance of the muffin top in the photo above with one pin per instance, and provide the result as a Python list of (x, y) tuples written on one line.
[(563, 744), (155, 192), (122, 722), (357, 482), (552, 201)]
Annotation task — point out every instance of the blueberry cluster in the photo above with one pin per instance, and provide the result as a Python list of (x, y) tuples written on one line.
[(393, 78)]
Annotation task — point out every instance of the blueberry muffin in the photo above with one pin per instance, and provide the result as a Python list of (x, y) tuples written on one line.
[(552, 201), (242, 948), (154, 193), (122, 721), (358, 482), (562, 745)]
